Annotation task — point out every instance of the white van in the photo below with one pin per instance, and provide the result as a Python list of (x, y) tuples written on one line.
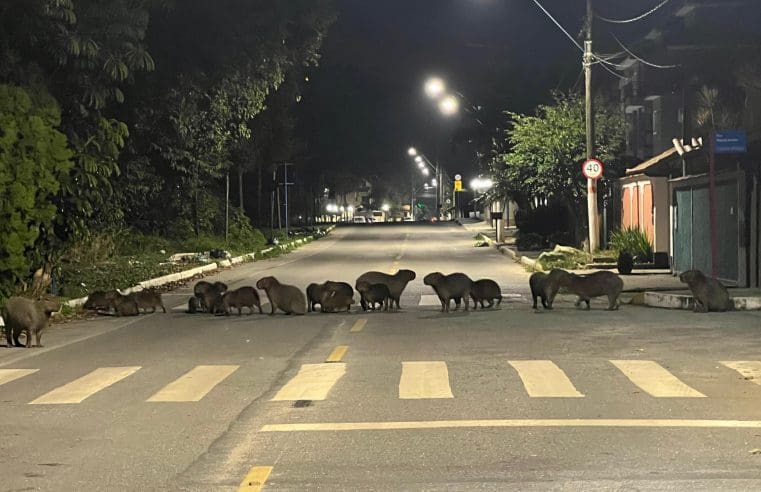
[(359, 219)]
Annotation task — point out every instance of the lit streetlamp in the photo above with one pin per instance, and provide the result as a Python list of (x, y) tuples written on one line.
[(434, 87), (449, 106)]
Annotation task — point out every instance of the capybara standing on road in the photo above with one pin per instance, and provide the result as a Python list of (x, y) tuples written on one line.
[(456, 286), (100, 300), (204, 291), (240, 298), (485, 290), (372, 294), (545, 286), (334, 301), (315, 292), (709, 293), (125, 306), (148, 299), (22, 314), (594, 285), (287, 298), (396, 283)]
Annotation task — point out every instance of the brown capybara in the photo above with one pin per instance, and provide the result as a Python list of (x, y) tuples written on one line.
[(709, 293), (456, 286), (334, 301), (239, 298), (287, 298), (125, 306), (593, 285), (315, 292), (396, 283), (485, 290), (146, 299), (100, 300), (194, 305), (372, 294), (204, 289), (211, 302), (22, 314), (545, 286)]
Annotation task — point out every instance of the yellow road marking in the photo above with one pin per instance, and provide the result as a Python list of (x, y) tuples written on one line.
[(313, 382), (450, 424), (424, 379), (542, 378), (654, 379), (337, 354), (86, 386), (358, 325), (255, 479), (8, 375), (749, 369), (193, 385)]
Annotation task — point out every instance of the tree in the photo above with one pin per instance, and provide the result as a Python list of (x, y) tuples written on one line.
[(546, 151), (34, 157)]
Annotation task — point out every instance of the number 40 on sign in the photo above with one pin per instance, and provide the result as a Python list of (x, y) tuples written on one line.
[(592, 169)]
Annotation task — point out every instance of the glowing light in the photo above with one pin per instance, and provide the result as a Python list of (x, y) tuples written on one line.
[(412, 151), (385, 207), (449, 105), (434, 87)]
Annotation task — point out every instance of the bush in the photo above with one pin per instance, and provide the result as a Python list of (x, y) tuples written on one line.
[(625, 263), (634, 241), (529, 241)]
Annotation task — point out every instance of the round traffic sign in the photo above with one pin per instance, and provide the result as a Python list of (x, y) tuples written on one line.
[(592, 169), (457, 177)]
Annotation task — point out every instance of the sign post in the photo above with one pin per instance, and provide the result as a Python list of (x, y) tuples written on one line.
[(592, 170)]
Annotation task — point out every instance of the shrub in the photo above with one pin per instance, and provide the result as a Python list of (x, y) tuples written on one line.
[(529, 241), (634, 241)]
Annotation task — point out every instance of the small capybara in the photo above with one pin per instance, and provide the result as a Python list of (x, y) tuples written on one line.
[(485, 290), (315, 292), (239, 298), (25, 315), (100, 300), (146, 299), (334, 301), (204, 289), (456, 286), (125, 305), (396, 283), (709, 293), (545, 286), (194, 305), (372, 294), (593, 285), (287, 298)]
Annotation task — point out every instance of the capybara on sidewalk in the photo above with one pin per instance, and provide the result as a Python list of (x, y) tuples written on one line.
[(456, 286), (239, 298), (22, 314), (594, 285), (287, 298), (709, 293), (545, 286), (396, 283), (485, 290)]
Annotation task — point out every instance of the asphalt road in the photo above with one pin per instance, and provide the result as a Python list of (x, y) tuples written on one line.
[(503, 399)]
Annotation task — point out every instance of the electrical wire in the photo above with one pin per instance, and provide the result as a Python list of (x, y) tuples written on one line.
[(649, 64), (559, 26), (634, 19)]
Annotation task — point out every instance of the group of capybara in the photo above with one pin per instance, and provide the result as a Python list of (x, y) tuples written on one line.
[(377, 291)]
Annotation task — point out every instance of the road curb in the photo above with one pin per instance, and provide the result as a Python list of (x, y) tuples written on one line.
[(210, 267), (687, 302), (508, 251)]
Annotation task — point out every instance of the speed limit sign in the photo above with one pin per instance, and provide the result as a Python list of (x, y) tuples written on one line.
[(592, 169)]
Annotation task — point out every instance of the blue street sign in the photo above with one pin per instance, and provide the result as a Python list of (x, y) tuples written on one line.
[(730, 142)]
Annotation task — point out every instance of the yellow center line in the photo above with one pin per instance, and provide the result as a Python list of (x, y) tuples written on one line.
[(255, 479), (450, 424), (358, 325), (337, 354)]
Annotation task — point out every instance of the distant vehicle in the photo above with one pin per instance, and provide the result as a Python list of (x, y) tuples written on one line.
[(359, 220), (379, 216), (409, 219)]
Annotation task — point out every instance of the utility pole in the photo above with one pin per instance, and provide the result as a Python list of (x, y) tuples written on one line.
[(594, 229), (285, 185), (227, 205)]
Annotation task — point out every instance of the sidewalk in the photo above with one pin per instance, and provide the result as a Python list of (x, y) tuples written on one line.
[(651, 287)]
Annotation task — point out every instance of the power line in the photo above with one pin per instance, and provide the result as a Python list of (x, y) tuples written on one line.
[(573, 40), (634, 19), (649, 64)]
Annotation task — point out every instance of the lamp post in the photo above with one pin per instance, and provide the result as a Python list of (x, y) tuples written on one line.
[(424, 164)]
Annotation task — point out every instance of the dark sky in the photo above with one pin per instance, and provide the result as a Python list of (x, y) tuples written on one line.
[(364, 105)]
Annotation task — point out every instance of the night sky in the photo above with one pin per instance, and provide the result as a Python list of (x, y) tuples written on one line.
[(365, 105)]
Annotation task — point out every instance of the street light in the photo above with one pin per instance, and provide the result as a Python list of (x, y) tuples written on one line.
[(426, 171), (449, 106), (434, 87), (412, 152), (434, 182), (418, 159), (385, 207)]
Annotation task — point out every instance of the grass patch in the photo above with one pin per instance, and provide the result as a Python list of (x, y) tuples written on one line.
[(563, 257)]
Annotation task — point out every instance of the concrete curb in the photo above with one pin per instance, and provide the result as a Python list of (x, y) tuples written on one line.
[(210, 267), (687, 302), (507, 250)]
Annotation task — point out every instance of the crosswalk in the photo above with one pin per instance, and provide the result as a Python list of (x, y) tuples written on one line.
[(417, 380)]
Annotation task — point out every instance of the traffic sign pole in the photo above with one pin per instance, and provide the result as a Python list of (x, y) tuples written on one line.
[(592, 170)]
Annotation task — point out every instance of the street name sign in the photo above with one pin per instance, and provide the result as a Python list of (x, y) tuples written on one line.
[(730, 142)]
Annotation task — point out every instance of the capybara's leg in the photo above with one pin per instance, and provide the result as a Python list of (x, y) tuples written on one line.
[(38, 338), (28, 338), (475, 302), (163, 308)]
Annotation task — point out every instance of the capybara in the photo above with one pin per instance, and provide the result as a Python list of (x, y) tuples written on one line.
[(212, 302), (396, 283), (22, 314), (204, 289), (456, 286), (333, 301), (593, 285), (100, 300), (240, 298), (194, 305), (485, 290), (125, 306), (148, 299), (287, 298), (315, 292), (709, 293), (545, 286), (372, 294)]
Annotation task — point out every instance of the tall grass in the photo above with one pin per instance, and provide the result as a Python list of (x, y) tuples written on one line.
[(633, 241)]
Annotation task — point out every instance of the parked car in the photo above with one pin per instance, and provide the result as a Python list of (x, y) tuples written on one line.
[(359, 219)]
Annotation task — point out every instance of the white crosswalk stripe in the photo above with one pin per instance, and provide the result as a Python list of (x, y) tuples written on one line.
[(194, 385), (313, 382), (654, 379), (424, 379), (8, 375), (749, 369), (86, 386), (542, 378)]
